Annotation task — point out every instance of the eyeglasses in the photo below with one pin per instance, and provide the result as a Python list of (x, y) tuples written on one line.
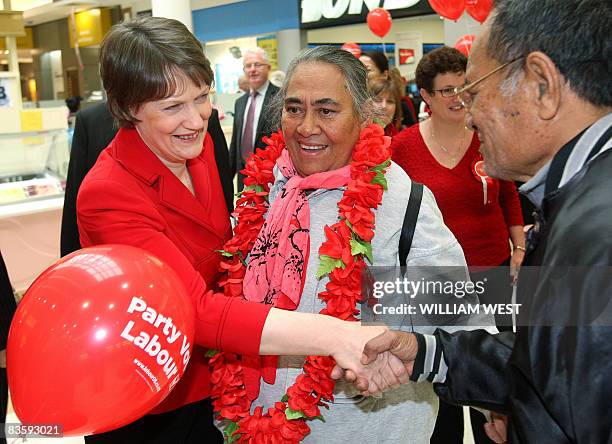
[(254, 65), (447, 92), (463, 91)]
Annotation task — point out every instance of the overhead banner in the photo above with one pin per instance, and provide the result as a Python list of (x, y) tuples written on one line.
[(325, 13)]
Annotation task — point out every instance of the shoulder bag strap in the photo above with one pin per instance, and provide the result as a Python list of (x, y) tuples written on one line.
[(410, 221)]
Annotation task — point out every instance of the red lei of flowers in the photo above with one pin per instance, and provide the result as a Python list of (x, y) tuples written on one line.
[(347, 243)]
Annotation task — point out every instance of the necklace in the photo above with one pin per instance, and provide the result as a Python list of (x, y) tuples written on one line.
[(454, 157), (286, 421)]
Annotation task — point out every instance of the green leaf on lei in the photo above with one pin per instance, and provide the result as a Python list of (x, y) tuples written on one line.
[(229, 430), (211, 352), (382, 166), (380, 179), (362, 247), (225, 253), (327, 264), (294, 414), (285, 398)]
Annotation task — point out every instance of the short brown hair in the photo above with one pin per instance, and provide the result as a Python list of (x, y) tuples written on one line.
[(439, 61), (140, 61)]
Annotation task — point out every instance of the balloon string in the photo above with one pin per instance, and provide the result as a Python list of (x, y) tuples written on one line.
[(384, 47)]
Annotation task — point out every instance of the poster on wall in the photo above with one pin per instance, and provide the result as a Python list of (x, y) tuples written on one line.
[(269, 44), (408, 52)]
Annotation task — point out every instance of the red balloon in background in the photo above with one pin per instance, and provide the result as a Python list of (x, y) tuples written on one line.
[(450, 9), (353, 48), (479, 9), (84, 350), (464, 44), (379, 21)]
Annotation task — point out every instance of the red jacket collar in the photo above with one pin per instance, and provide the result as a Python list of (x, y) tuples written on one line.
[(134, 155)]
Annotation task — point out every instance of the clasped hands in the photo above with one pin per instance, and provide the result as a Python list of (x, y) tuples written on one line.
[(376, 359)]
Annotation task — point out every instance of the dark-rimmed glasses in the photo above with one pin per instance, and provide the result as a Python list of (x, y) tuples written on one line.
[(447, 92), (463, 91)]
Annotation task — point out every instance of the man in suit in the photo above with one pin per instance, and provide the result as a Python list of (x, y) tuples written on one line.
[(251, 117), (94, 130)]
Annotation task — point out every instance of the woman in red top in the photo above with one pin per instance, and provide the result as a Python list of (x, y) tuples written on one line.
[(483, 213), (156, 187)]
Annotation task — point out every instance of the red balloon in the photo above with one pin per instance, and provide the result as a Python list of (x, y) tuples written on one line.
[(479, 9), (464, 44), (450, 9), (99, 339), (353, 48), (379, 21)]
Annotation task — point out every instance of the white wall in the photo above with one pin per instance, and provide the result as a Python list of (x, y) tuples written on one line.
[(431, 26)]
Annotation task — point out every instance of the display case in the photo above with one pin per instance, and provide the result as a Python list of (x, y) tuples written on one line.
[(33, 168)]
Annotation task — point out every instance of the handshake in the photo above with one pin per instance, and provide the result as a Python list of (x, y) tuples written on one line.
[(386, 360)]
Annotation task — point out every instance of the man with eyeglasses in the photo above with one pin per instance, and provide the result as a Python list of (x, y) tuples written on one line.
[(539, 95), (252, 121)]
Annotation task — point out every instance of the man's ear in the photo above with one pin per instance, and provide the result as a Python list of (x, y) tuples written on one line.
[(545, 83)]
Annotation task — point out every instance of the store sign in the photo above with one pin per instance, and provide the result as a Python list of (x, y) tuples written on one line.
[(90, 26), (325, 13)]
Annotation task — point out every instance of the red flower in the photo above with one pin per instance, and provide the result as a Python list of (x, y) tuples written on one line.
[(337, 244)]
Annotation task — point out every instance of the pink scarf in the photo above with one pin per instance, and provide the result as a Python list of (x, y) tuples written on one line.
[(279, 259)]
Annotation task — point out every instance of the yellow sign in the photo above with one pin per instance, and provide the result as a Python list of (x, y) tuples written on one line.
[(31, 120), (269, 44), (90, 26), (25, 42), (11, 23)]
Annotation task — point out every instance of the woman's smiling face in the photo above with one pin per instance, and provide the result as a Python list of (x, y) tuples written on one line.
[(319, 121)]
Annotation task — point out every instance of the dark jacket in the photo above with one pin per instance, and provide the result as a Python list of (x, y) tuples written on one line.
[(264, 127), (554, 377), (94, 130), (7, 304)]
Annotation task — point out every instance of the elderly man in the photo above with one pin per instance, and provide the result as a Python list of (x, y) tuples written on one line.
[(251, 118), (539, 93)]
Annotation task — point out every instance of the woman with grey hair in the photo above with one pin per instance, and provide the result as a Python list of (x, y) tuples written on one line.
[(337, 203)]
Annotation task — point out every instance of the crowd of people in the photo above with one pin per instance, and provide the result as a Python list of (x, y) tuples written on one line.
[(151, 168)]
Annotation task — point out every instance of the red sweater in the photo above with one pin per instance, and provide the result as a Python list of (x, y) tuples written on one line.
[(482, 230)]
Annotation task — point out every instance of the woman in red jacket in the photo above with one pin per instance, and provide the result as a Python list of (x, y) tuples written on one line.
[(483, 213), (156, 186)]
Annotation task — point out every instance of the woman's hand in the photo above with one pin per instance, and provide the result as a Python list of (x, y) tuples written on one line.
[(385, 372), (518, 255)]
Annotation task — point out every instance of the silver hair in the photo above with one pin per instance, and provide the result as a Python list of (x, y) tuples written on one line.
[(353, 71), (257, 51), (510, 85), (575, 34)]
